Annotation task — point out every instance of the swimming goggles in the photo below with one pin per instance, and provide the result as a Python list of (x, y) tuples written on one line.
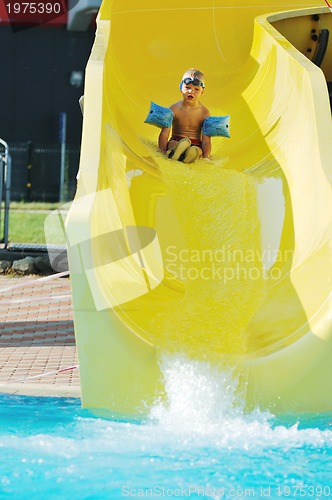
[(195, 81)]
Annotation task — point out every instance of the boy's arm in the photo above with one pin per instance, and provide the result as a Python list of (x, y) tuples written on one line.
[(163, 139), (206, 145), (206, 139)]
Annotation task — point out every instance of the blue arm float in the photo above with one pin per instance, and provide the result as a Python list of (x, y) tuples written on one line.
[(159, 116), (216, 126)]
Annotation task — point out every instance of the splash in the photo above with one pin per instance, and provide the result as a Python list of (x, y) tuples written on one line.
[(198, 396), (206, 404)]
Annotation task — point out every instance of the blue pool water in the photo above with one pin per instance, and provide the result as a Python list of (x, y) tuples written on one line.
[(201, 444)]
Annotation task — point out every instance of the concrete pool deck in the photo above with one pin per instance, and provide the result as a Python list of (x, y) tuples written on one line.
[(37, 343)]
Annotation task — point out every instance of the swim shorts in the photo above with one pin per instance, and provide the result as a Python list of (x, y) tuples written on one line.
[(194, 142)]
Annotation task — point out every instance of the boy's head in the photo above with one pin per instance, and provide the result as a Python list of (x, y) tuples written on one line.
[(192, 84), (195, 75)]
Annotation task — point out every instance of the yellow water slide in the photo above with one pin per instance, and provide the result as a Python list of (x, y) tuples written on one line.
[(227, 260)]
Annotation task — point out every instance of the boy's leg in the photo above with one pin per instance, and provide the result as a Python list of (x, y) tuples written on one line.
[(171, 146), (178, 148), (192, 154)]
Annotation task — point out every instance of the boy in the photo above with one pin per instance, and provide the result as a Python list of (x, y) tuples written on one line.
[(187, 142)]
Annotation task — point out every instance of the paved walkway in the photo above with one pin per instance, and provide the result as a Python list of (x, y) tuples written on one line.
[(37, 344)]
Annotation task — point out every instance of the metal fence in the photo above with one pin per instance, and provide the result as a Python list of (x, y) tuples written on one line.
[(36, 171), (5, 179)]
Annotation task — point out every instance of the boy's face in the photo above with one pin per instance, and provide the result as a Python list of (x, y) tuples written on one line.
[(191, 92)]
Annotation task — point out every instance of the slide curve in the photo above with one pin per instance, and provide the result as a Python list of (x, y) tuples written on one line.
[(226, 260)]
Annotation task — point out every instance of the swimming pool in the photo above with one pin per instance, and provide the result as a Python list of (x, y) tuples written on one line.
[(199, 445)]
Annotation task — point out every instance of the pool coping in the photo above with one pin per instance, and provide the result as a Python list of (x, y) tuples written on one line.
[(43, 390)]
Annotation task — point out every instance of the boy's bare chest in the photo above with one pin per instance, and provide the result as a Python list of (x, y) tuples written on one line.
[(193, 115)]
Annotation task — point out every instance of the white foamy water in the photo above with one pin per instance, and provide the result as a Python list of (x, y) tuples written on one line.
[(204, 401)]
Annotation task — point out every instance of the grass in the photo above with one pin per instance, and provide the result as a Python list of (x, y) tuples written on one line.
[(34, 205), (26, 221), (26, 227)]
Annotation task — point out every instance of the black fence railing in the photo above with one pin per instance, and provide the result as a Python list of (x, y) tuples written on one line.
[(36, 171)]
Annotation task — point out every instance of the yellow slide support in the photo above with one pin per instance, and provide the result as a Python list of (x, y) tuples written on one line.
[(226, 260)]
